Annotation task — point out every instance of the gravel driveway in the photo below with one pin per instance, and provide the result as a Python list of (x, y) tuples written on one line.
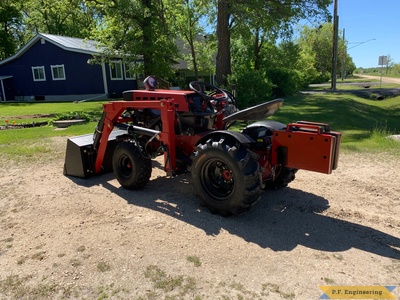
[(68, 238)]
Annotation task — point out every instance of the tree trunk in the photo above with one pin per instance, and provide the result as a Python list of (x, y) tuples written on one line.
[(257, 48), (147, 40), (194, 60), (223, 60)]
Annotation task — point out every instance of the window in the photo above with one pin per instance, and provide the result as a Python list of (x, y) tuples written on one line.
[(129, 74), (58, 72), (116, 70), (38, 73)]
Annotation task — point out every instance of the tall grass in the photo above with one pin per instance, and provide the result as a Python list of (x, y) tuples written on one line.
[(381, 139)]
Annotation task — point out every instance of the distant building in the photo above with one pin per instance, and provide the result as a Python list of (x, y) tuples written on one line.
[(181, 67)]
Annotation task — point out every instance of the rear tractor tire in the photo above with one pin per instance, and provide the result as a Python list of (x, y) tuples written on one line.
[(131, 168), (225, 175)]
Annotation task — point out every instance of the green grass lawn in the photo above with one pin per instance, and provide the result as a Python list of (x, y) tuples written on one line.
[(27, 142), (365, 124), (36, 112)]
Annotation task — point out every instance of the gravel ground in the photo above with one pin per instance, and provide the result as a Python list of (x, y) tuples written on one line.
[(69, 238)]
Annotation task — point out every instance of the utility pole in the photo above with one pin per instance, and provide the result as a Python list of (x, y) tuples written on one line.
[(344, 56), (335, 45)]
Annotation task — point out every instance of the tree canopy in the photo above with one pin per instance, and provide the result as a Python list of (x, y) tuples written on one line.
[(10, 21), (231, 38), (261, 19)]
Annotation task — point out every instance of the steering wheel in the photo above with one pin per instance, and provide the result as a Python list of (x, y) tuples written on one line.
[(209, 91)]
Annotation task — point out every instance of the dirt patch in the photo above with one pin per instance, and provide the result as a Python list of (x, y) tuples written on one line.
[(13, 125), (70, 238), (32, 116), (28, 125)]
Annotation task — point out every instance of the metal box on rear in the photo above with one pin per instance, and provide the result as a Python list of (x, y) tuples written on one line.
[(307, 146)]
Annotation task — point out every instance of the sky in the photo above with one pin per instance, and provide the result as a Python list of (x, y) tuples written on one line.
[(372, 29)]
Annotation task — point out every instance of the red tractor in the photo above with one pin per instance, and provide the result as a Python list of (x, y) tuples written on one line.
[(190, 128)]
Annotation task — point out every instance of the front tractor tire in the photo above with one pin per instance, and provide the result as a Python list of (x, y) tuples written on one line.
[(225, 175), (131, 168)]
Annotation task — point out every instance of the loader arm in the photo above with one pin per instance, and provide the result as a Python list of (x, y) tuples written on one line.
[(112, 114)]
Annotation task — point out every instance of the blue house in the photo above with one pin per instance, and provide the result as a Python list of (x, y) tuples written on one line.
[(57, 68)]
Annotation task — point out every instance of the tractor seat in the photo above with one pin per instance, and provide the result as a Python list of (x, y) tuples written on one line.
[(200, 115), (199, 107)]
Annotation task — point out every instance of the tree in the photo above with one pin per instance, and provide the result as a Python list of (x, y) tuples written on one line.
[(349, 66), (318, 41), (10, 20), (389, 63), (223, 59), (137, 30), (396, 69), (266, 14), (62, 17), (186, 17)]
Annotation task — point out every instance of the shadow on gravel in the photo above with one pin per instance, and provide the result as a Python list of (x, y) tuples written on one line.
[(282, 220)]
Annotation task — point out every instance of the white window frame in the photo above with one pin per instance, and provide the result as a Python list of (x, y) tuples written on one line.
[(116, 63), (53, 67), (126, 72), (38, 68)]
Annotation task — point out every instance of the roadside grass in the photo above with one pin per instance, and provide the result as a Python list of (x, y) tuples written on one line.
[(383, 74), (355, 79)]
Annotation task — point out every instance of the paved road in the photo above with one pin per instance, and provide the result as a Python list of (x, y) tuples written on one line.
[(384, 79)]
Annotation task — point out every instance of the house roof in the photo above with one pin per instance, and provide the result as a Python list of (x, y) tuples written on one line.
[(67, 43), (73, 44)]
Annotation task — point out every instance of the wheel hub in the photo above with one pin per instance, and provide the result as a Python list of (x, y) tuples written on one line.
[(226, 175)]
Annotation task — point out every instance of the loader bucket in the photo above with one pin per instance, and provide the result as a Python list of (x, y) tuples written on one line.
[(80, 155)]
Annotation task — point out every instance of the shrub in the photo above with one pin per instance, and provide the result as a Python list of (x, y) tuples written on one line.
[(252, 87), (286, 81)]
